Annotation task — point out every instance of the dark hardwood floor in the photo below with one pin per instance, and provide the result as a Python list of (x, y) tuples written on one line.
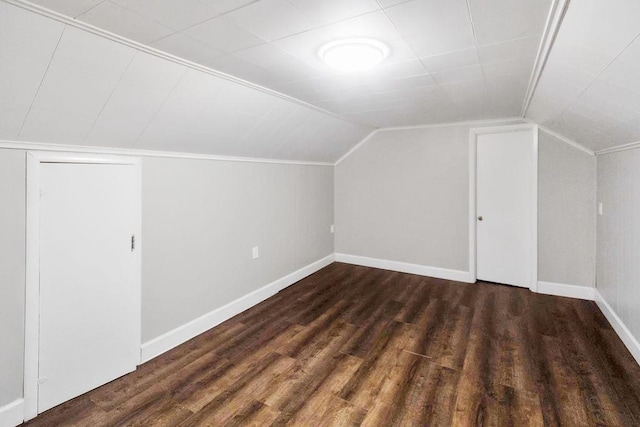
[(359, 346)]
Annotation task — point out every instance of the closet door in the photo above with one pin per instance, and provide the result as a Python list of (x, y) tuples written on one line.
[(505, 207), (89, 304)]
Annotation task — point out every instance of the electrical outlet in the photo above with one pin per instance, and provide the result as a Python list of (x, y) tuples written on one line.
[(332, 229), (256, 252), (600, 208)]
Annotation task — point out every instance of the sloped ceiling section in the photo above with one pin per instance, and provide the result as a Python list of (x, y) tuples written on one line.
[(60, 84), (589, 90), (450, 60)]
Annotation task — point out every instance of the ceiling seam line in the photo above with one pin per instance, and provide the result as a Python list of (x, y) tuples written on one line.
[(155, 113), (418, 58), (604, 70), (44, 75), (133, 12), (475, 42), (90, 9), (110, 96)]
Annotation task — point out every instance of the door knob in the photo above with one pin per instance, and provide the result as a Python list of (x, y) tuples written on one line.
[(479, 218)]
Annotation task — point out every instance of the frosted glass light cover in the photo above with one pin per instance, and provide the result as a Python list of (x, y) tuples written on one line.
[(352, 55)]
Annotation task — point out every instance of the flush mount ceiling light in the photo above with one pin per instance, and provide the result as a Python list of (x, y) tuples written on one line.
[(351, 55)]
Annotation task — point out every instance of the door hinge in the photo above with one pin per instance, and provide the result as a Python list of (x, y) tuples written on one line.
[(133, 242), (42, 380)]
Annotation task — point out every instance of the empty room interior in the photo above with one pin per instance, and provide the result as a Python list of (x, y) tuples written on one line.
[(319, 213)]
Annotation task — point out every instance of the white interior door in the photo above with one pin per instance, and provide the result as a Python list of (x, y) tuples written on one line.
[(506, 174), (89, 304)]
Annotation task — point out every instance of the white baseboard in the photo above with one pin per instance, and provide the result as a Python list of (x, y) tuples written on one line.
[(189, 330), (12, 414), (563, 290), (618, 325), (403, 267)]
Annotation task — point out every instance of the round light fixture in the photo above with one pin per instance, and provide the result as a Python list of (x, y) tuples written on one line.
[(352, 55)]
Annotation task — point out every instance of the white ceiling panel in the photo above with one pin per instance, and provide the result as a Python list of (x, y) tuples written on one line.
[(55, 126), (72, 8), (625, 71), (183, 46), (525, 48), (393, 70), (281, 64), (499, 20), (11, 119), (562, 83), (542, 109), (611, 99), (88, 54), (138, 96), (224, 34), (435, 17), (474, 72), (225, 6), (124, 22), (449, 60), (27, 44), (80, 78), (177, 15), (376, 25), (510, 67), (306, 46), (603, 27), (575, 126), (588, 90), (431, 44), (257, 140), (80, 94), (185, 105), (26, 33), (389, 3), (21, 76), (409, 83), (272, 19), (328, 11), (234, 66)]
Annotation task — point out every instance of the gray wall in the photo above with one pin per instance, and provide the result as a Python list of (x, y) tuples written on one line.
[(618, 273), (403, 196), (12, 271), (201, 219), (566, 213)]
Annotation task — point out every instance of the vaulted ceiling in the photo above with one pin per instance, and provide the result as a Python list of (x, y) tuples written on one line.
[(450, 60), (590, 88), (243, 77)]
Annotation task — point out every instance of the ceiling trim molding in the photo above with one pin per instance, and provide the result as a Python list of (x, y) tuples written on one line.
[(618, 148), (24, 4), (504, 121), (36, 146), (554, 21), (564, 139)]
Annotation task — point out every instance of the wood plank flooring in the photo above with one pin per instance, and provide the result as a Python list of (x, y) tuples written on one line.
[(353, 345)]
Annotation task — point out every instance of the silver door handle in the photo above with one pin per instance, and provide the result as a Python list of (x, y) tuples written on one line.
[(479, 218)]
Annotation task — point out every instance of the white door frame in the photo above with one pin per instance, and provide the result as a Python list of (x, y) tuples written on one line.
[(473, 170), (32, 296)]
